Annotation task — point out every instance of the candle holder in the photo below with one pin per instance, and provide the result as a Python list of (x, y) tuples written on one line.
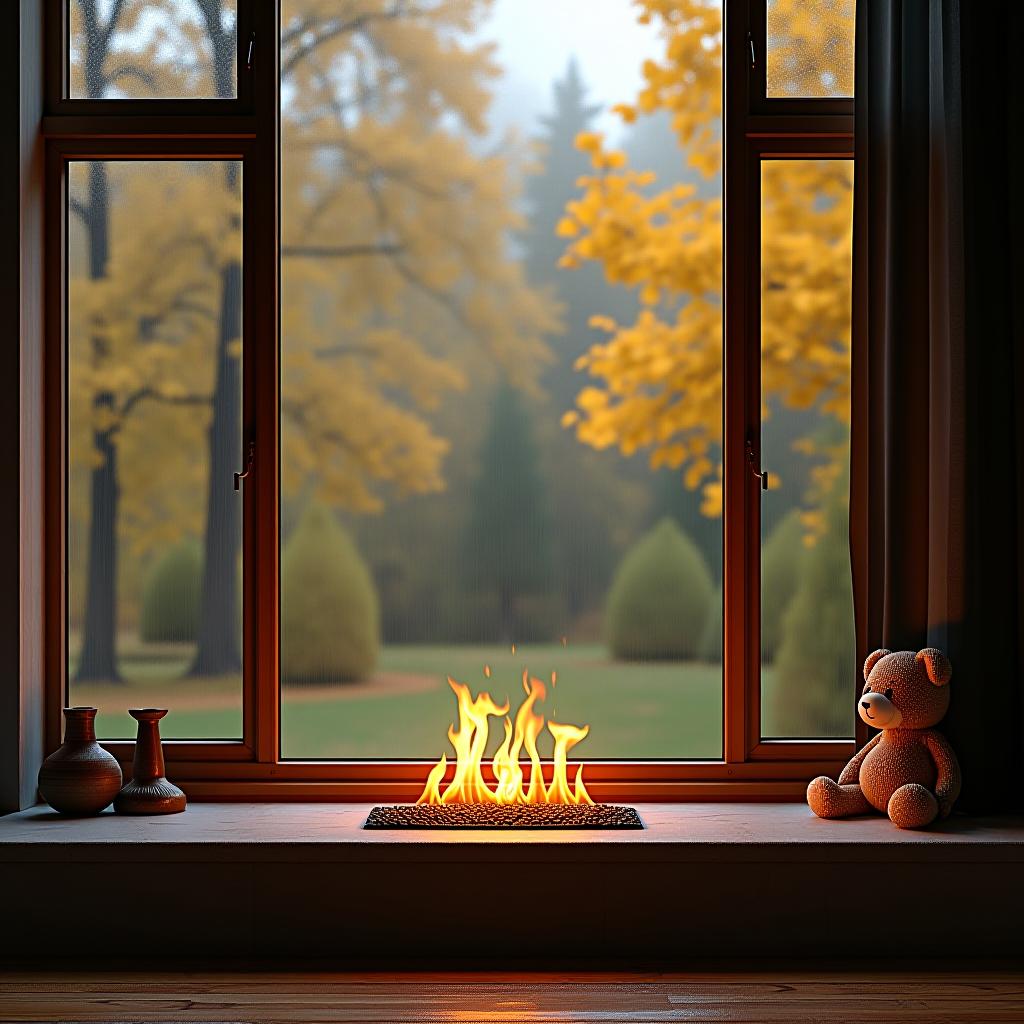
[(149, 792)]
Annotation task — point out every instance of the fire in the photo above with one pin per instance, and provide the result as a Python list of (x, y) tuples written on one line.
[(512, 785)]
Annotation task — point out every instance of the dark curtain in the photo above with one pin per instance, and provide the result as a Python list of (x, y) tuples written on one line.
[(937, 516)]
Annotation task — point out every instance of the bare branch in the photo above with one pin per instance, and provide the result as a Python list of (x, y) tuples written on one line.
[(77, 207), (115, 16), (150, 394), (331, 351), (332, 30), (131, 71), (340, 251)]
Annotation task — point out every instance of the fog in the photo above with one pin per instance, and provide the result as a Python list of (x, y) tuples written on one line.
[(536, 39)]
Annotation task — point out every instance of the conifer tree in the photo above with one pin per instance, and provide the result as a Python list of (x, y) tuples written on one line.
[(508, 542), (588, 501)]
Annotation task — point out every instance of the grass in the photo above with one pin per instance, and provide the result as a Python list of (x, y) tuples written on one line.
[(657, 710), (634, 710)]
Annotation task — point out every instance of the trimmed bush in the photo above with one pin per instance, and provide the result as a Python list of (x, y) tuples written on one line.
[(171, 597), (658, 602), (816, 668), (330, 617), (780, 573)]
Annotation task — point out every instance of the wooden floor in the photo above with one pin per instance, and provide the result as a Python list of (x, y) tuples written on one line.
[(836, 998)]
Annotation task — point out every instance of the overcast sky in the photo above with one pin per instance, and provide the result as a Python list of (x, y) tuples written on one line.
[(536, 38)]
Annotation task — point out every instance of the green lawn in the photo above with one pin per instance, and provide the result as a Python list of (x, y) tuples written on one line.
[(634, 710), (657, 710)]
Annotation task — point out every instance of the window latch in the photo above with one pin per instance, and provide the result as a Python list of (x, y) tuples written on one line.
[(752, 460), (750, 40), (252, 47), (250, 460)]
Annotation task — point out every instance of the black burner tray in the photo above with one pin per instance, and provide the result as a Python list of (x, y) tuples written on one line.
[(426, 816)]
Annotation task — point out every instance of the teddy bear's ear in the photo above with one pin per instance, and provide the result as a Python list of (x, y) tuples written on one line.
[(936, 665), (872, 659)]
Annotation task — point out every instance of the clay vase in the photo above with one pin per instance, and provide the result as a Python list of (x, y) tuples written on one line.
[(80, 777), (149, 792)]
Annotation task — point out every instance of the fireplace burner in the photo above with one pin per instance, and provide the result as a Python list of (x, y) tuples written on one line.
[(489, 815)]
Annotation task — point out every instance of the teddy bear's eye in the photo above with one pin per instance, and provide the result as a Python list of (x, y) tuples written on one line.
[(867, 688), (888, 694)]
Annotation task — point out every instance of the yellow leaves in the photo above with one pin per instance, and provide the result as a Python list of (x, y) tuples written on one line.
[(656, 385), (592, 399), (812, 49), (814, 524), (650, 294), (590, 142), (567, 228), (711, 497), (625, 111)]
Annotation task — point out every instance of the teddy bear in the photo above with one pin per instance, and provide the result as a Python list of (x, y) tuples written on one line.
[(908, 770)]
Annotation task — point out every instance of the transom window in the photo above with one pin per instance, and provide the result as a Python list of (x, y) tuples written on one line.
[(407, 341)]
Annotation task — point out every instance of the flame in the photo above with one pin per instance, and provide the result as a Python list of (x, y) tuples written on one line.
[(511, 786)]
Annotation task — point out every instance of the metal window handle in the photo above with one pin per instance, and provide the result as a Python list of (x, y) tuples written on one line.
[(753, 59), (252, 47), (761, 474), (239, 477)]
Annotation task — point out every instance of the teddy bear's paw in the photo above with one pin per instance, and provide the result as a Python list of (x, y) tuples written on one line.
[(912, 806), (824, 797)]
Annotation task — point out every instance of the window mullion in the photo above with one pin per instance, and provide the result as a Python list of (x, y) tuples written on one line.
[(261, 420), (738, 591)]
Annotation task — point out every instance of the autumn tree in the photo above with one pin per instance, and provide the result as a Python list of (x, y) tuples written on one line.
[(139, 380), (394, 262), (109, 61), (656, 382), (395, 270)]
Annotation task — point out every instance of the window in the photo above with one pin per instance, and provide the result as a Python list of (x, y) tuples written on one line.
[(400, 343), (184, 49), (154, 410)]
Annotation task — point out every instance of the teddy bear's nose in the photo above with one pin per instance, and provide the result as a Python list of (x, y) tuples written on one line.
[(865, 703)]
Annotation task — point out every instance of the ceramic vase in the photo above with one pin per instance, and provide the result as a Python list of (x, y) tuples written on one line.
[(149, 792), (80, 777)]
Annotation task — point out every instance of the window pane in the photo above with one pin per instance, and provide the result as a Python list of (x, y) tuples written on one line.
[(154, 391), (810, 48), (808, 672), (152, 49), (501, 424)]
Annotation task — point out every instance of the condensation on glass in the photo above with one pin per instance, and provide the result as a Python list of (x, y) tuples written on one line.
[(440, 516), (152, 49), (154, 576), (808, 670), (810, 48)]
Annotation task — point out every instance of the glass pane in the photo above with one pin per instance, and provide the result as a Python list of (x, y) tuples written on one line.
[(810, 48), (809, 671), (152, 49), (501, 423), (154, 392)]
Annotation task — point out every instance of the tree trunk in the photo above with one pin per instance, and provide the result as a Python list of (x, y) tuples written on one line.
[(217, 650), (98, 658)]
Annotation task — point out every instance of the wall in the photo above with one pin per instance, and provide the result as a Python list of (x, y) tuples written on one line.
[(21, 497)]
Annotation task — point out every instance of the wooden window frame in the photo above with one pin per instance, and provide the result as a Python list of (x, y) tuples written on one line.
[(247, 129)]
